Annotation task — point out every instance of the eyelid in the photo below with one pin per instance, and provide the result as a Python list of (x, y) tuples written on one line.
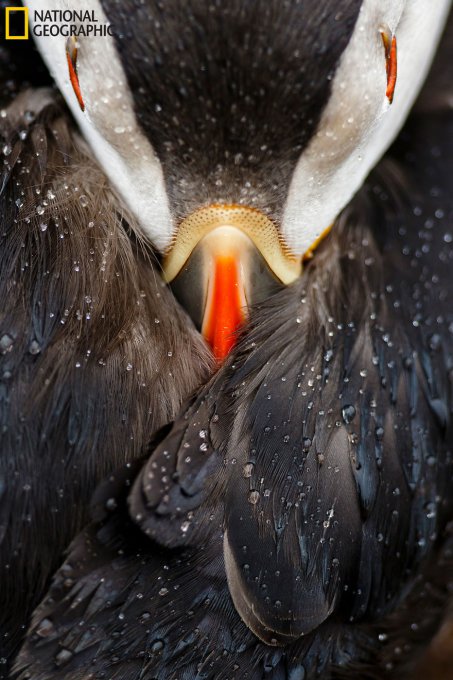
[(391, 61), (71, 57)]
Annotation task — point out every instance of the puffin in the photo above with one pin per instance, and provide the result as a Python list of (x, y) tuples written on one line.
[(295, 519)]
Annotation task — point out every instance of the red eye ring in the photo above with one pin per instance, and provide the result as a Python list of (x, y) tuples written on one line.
[(391, 61), (71, 57)]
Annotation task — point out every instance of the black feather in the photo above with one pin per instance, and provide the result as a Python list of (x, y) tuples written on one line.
[(230, 93), (321, 450), (87, 330)]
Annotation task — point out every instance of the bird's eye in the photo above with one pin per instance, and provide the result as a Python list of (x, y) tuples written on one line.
[(391, 61), (71, 56)]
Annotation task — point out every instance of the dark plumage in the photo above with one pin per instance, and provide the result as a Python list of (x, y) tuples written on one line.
[(95, 354), (230, 94), (322, 449)]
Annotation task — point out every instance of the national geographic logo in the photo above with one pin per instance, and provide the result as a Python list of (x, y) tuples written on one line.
[(16, 23), (53, 23)]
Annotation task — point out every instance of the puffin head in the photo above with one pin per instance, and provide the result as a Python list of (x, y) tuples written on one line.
[(236, 132)]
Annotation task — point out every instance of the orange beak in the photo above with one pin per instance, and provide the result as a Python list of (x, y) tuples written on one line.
[(225, 311), (223, 259)]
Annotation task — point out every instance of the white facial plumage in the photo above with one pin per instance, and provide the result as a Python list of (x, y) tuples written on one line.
[(359, 124), (108, 122), (356, 127)]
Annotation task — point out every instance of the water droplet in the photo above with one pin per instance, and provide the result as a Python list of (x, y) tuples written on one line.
[(35, 347), (328, 355), (129, 367), (45, 628), (6, 343), (348, 413), (163, 591), (6, 149), (157, 646), (111, 504), (379, 432), (40, 210), (253, 497), (63, 656), (435, 342), (43, 226), (83, 200), (247, 470)]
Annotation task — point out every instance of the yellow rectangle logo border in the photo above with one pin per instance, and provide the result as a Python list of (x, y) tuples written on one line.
[(8, 10)]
